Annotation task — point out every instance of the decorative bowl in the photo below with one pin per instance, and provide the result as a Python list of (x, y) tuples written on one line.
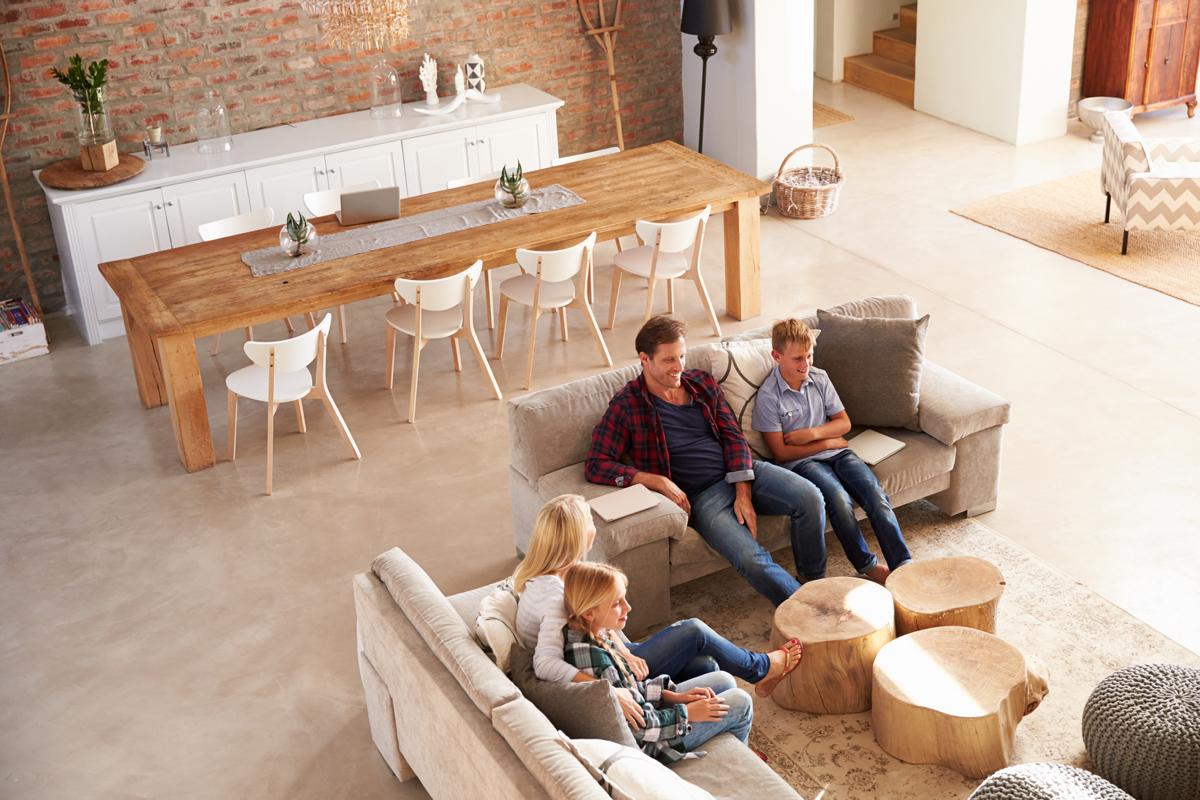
[(1092, 111)]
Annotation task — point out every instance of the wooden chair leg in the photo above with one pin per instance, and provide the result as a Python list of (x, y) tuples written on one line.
[(457, 355), (595, 329), (612, 301), (216, 348), (562, 322), (670, 296), (300, 416), (536, 314), (650, 285), (336, 416), (487, 293), (473, 341), (412, 390), (591, 285), (270, 443), (311, 318), (503, 326), (341, 317), (707, 301), (291, 329), (231, 439), (391, 356)]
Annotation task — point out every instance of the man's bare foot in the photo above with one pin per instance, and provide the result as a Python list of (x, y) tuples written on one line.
[(878, 573), (784, 659)]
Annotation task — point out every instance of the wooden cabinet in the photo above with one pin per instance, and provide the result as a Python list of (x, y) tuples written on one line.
[(383, 163), (283, 186), (1146, 51), (189, 205)]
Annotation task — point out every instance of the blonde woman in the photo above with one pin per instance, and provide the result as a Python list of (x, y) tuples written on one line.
[(562, 535), (676, 719)]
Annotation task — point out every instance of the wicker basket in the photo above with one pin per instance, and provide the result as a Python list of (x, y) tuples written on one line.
[(807, 192)]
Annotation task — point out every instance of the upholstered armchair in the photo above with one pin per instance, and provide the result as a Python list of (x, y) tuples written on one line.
[(1154, 182)]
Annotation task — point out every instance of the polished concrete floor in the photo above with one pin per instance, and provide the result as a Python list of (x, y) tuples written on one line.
[(185, 636)]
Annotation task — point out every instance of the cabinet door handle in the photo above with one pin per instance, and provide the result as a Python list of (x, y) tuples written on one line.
[(170, 203), (479, 141), (332, 170), (157, 207), (320, 172), (470, 144)]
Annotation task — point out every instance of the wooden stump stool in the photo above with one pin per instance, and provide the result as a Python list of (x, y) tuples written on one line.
[(952, 696), (842, 622), (959, 590)]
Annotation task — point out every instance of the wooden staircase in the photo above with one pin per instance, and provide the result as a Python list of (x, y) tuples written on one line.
[(890, 69)]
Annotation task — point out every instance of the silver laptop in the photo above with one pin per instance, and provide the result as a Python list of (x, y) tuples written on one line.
[(371, 205), (873, 446)]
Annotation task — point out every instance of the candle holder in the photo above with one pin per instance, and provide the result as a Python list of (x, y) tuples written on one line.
[(150, 147)]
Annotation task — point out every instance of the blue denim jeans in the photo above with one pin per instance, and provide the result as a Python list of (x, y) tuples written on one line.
[(689, 648), (844, 478), (737, 721), (774, 491)]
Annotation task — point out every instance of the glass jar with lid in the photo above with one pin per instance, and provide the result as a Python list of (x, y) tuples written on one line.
[(385, 90), (213, 132)]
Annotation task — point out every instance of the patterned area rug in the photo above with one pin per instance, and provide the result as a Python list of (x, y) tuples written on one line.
[(1067, 216), (824, 116), (1081, 637)]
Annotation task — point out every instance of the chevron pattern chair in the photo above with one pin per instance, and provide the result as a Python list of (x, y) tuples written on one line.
[(1154, 182)]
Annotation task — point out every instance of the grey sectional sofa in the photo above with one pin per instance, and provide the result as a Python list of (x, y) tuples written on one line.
[(954, 461), (441, 711)]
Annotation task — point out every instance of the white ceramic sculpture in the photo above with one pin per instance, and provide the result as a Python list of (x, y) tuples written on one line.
[(428, 76), (460, 84), (475, 79)]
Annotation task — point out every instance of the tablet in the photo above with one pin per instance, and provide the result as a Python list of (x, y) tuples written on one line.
[(623, 502), (873, 446)]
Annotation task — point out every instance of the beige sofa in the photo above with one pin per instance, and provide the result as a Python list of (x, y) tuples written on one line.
[(442, 711), (954, 461)]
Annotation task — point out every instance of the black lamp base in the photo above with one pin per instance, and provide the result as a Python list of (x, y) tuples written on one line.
[(706, 49)]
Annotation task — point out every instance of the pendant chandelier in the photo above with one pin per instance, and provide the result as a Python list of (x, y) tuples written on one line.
[(360, 24)]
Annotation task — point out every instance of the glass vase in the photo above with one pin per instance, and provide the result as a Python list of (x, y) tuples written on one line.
[(92, 125), (511, 196), (307, 243), (213, 133), (385, 91)]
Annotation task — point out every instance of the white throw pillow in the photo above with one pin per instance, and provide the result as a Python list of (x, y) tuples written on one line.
[(629, 774), (496, 624)]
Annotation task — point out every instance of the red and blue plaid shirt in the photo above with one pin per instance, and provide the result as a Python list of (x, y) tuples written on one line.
[(631, 427)]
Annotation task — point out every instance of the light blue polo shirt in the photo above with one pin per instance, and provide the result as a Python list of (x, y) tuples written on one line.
[(778, 408)]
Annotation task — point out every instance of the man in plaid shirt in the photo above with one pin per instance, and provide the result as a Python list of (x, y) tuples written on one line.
[(684, 442)]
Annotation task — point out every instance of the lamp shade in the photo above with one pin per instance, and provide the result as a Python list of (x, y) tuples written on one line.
[(705, 17)]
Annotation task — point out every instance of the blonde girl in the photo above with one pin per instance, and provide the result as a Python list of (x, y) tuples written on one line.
[(676, 719)]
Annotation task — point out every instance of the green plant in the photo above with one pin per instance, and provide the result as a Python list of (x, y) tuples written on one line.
[(86, 84), (513, 182), (297, 229)]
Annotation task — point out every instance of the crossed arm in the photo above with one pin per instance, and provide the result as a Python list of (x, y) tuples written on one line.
[(805, 442)]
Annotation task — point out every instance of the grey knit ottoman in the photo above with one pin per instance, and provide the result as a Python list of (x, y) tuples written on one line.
[(1046, 782), (1141, 727)]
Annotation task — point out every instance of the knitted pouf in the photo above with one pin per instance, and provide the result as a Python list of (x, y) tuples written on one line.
[(1046, 782), (1141, 727)]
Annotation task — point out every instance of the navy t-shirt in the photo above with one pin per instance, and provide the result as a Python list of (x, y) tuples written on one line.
[(697, 460)]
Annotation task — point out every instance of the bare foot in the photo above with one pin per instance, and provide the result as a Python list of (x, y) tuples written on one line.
[(783, 660), (878, 573)]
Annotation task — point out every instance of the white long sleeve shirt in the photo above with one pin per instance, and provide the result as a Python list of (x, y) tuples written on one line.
[(541, 616)]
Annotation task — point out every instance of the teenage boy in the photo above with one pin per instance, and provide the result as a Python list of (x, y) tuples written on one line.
[(803, 421), (684, 442)]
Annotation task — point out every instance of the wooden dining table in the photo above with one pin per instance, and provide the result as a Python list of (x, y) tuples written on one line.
[(173, 297)]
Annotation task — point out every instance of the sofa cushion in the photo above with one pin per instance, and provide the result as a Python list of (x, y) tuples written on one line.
[(898, 306), (740, 368), (496, 625), (875, 365), (536, 743), (629, 773), (586, 710), (467, 603), (731, 771), (443, 630), (952, 407)]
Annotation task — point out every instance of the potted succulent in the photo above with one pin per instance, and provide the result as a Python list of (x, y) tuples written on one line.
[(512, 190), (298, 236), (97, 142)]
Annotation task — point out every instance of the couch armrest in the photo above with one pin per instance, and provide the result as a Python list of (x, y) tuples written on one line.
[(952, 407)]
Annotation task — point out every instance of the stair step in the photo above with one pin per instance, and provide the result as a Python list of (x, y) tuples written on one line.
[(881, 75), (908, 16), (898, 44)]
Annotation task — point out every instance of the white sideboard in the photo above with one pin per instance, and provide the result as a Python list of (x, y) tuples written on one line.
[(274, 167)]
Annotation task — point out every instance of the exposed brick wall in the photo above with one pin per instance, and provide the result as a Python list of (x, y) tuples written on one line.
[(266, 58)]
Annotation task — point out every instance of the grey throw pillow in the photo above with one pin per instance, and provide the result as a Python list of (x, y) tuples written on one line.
[(875, 365), (580, 710)]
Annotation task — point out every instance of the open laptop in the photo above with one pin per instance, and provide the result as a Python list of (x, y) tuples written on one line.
[(873, 446), (370, 205), (624, 502)]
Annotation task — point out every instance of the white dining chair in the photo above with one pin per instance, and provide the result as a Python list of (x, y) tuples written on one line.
[(458, 183), (280, 375), (436, 309), (232, 226), (322, 204), (663, 256), (553, 280), (606, 151)]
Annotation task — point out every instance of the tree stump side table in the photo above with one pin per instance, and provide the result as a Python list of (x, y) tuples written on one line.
[(843, 622), (958, 590), (953, 696)]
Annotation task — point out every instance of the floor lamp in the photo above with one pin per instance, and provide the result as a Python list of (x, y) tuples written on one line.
[(706, 19)]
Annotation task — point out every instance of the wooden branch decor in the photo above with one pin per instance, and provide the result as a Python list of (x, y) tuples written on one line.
[(606, 36), (8, 200)]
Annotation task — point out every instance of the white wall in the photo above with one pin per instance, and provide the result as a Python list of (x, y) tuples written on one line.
[(1001, 67), (759, 102), (846, 28)]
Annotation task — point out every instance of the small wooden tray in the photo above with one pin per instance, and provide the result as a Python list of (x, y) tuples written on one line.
[(70, 174)]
